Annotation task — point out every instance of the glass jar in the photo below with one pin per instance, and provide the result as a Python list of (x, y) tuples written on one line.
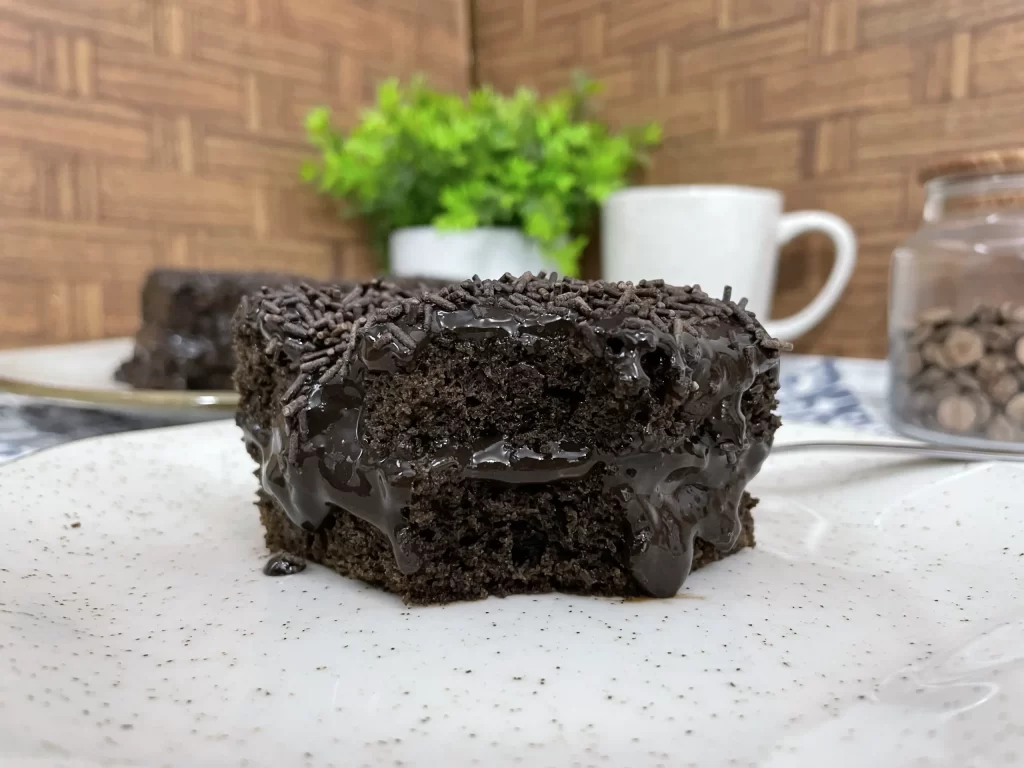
[(956, 308)]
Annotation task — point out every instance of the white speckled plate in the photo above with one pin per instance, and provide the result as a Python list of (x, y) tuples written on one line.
[(878, 623), (82, 374)]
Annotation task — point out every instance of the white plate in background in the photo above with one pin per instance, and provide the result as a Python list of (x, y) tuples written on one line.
[(877, 623), (82, 374)]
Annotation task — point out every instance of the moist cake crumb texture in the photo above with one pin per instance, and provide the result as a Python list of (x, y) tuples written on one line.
[(525, 434)]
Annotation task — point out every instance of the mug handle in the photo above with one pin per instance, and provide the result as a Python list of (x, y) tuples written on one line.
[(841, 233)]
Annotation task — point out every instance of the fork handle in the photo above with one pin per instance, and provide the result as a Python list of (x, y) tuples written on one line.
[(949, 453)]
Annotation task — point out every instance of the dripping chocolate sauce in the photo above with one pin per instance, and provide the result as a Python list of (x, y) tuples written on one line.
[(671, 494), (284, 564)]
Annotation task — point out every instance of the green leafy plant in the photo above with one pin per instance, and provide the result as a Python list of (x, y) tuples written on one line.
[(423, 157)]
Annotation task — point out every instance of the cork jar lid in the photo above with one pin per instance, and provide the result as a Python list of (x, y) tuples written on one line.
[(976, 164)]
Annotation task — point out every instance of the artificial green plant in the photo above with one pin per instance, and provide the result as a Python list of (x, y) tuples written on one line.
[(423, 157)]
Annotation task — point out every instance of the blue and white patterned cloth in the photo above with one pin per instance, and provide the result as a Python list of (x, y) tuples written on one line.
[(819, 390), (837, 391), (28, 424)]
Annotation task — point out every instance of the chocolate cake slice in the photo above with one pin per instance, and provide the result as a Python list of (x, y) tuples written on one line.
[(519, 435), (185, 339)]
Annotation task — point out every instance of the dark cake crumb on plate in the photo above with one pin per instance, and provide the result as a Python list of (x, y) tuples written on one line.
[(526, 434)]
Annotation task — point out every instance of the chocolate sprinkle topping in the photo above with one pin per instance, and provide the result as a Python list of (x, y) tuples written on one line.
[(650, 303)]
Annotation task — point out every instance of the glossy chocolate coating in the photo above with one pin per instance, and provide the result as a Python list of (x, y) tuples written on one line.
[(671, 493), (284, 564)]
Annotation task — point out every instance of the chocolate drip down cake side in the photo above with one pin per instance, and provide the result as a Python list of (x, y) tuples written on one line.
[(519, 435)]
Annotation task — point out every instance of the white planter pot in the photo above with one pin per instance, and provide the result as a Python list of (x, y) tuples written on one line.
[(486, 251)]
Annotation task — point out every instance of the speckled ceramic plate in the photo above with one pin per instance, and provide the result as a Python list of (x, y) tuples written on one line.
[(877, 623), (83, 375)]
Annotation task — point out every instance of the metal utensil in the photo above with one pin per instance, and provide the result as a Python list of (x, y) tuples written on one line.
[(933, 451)]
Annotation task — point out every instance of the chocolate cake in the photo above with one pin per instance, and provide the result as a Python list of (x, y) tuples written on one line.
[(519, 435), (185, 341)]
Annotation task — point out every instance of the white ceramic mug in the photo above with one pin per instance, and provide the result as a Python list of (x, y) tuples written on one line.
[(716, 236)]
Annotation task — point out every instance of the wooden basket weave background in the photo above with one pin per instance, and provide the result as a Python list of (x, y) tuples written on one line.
[(142, 132)]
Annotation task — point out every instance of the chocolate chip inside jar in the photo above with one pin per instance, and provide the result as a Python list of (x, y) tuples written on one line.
[(962, 375), (526, 434)]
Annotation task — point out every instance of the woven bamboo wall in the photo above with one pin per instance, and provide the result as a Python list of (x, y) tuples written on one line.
[(836, 102), (135, 133)]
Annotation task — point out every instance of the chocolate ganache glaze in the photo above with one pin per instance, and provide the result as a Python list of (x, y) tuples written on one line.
[(315, 457)]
